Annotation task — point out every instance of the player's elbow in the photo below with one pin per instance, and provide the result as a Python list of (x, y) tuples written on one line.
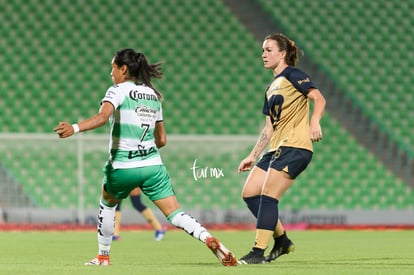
[(160, 135), (161, 141)]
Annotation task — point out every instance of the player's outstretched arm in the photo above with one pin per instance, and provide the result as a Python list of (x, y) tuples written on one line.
[(65, 129)]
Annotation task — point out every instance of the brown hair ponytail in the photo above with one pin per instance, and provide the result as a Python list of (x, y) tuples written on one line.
[(288, 45)]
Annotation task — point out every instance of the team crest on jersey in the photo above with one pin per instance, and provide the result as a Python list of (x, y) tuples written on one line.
[(276, 87)]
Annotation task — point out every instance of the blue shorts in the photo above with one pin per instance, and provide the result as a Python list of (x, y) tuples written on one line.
[(154, 181), (288, 159)]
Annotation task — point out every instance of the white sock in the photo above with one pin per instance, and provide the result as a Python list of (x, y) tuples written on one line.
[(106, 224), (189, 225)]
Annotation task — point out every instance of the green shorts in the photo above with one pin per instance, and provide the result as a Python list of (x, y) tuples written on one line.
[(154, 181)]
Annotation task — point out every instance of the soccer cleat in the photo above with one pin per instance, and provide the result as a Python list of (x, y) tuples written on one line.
[(159, 234), (278, 250), (99, 260), (252, 258), (116, 238), (224, 255)]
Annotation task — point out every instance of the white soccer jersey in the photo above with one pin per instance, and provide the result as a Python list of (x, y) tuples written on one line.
[(137, 109)]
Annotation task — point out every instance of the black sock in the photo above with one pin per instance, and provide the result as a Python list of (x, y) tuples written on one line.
[(268, 213), (253, 204), (137, 203)]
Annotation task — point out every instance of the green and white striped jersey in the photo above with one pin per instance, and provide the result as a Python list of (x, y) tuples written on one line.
[(137, 109)]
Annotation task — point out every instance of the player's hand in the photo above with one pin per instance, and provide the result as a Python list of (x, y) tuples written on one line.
[(315, 132), (64, 129), (246, 164)]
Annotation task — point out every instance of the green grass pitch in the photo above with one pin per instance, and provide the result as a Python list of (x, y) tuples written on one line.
[(317, 252)]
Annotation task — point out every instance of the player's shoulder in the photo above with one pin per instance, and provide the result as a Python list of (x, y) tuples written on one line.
[(124, 85), (113, 87), (119, 88), (294, 74), (291, 71), (116, 92)]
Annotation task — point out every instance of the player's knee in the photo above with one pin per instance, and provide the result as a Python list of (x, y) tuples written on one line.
[(137, 203)]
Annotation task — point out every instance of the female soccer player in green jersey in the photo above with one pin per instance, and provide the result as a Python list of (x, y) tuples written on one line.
[(133, 108)]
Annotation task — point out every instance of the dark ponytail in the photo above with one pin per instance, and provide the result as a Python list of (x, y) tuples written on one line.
[(139, 69)]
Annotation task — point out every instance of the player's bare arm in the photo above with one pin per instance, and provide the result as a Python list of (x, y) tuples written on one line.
[(160, 135), (65, 129), (264, 138)]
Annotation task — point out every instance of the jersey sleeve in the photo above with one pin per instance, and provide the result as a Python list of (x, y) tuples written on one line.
[(159, 115), (113, 97), (265, 109), (301, 81)]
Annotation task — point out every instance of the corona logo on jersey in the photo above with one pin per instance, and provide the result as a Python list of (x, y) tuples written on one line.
[(135, 95)]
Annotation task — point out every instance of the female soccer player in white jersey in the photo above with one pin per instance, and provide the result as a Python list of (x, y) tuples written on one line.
[(133, 108)]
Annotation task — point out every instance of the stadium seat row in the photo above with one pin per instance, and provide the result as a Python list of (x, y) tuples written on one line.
[(213, 84)]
